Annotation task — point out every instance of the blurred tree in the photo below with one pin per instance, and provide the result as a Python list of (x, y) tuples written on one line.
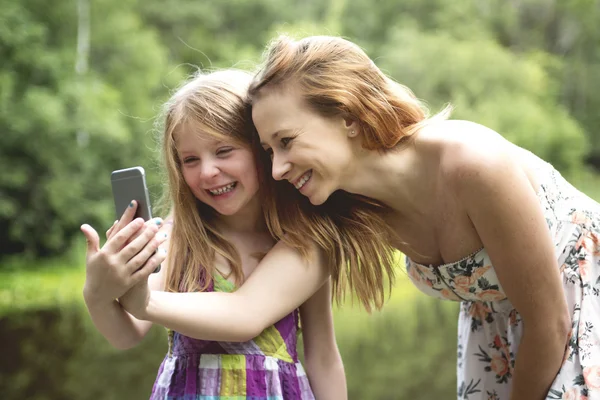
[(212, 34), (568, 29), (55, 178), (488, 84), (79, 88)]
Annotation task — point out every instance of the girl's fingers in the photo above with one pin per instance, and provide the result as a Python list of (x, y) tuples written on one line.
[(154, 221), (92, 239), (126, 218), (149, 250), (119, 238), (111, 229), (150, 266), (135, 254)]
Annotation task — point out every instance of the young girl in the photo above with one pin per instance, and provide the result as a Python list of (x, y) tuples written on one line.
[(218, 236)]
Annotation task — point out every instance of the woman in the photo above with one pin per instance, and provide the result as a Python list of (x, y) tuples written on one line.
[(480, 220)]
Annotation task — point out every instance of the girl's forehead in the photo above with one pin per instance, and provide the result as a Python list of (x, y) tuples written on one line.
[(197, 134)]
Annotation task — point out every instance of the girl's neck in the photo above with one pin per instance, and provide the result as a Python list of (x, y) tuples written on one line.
[(250, 220)]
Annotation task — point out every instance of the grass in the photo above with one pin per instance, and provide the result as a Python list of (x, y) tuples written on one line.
[(40, 288), (49, 283)]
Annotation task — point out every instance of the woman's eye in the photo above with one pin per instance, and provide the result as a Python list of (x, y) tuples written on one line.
[(285, 141), (224, 151)]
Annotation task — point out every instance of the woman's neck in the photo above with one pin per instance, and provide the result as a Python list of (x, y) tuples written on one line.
[(402, 179)]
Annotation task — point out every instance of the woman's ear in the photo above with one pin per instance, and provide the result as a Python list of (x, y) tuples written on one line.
[(351, 127)]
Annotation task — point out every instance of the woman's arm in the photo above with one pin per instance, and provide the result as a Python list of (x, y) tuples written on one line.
[(108, 276), (505, 211), (280, 283), (322, 358)]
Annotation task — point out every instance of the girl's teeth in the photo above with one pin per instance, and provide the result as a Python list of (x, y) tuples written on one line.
[(303, 180), (224, 189)]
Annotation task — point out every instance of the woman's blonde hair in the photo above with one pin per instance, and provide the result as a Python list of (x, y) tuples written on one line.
[(214, 104), (336, 78)]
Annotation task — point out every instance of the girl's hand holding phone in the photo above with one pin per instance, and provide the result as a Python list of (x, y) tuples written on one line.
[(129, 256)]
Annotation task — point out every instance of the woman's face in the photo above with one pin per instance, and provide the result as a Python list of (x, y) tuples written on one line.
[(310, 151), (221, 174)]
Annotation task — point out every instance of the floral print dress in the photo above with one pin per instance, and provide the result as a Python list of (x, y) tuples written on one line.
[(490, 329)]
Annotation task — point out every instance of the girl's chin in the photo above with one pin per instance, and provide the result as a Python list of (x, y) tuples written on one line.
[(227, 212)]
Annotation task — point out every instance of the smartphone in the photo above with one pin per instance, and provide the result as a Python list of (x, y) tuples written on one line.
[(130, 184)]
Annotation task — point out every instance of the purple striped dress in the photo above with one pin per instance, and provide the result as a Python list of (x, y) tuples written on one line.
[(264, 368)]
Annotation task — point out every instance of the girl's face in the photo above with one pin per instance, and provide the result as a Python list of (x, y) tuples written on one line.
[(312, 152), (220, 173)]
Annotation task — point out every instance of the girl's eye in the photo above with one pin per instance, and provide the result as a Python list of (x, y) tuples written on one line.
[(224, 151), (189, 160)]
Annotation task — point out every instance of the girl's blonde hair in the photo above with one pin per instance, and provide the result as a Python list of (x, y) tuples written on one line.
[(215, 104), (336, 78)]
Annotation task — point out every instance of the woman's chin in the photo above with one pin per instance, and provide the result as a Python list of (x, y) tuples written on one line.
[(318, 198)]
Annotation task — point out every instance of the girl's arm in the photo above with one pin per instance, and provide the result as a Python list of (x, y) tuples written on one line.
[(322, 358), (111, 271), (280, 283), (505, 211)]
